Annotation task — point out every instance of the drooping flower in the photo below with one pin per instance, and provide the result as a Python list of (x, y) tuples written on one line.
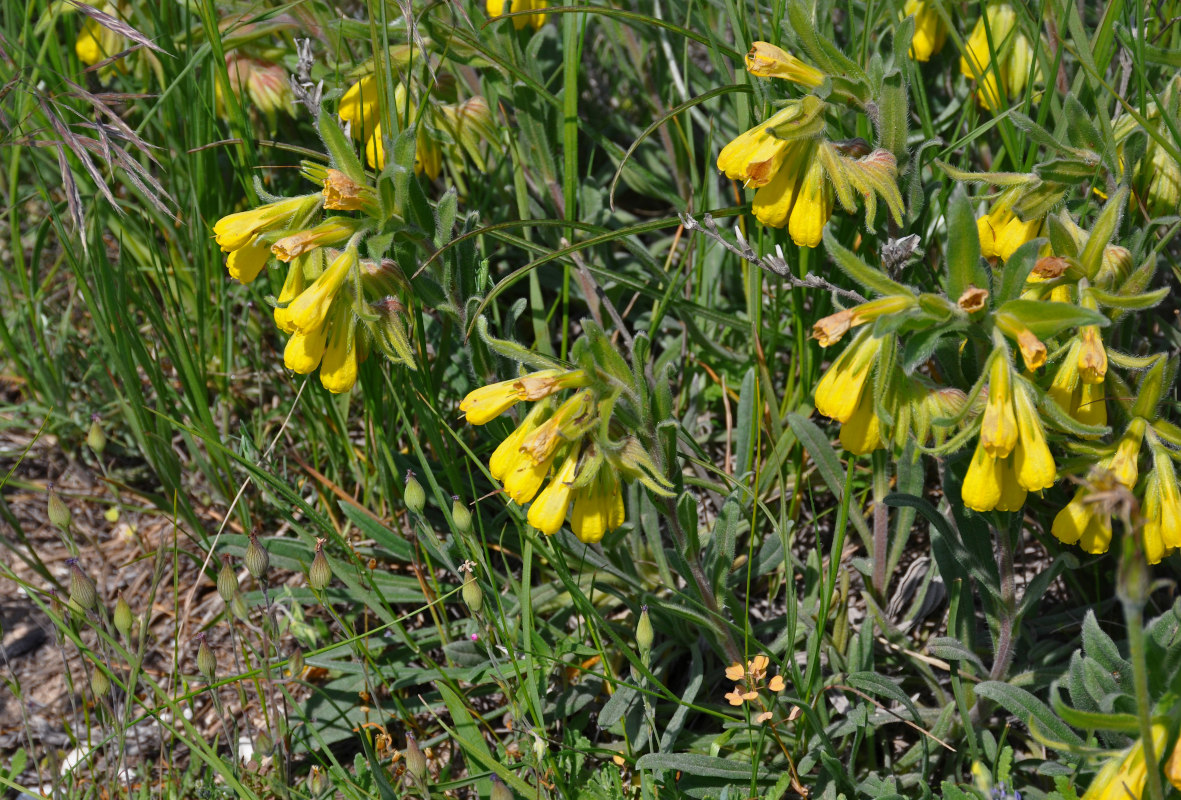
[(1123, 776), (498, 8), (263, 82), (930, 30), (1084, 520), (1007, 76), (765, 60), (488, 402), (829, 330), (548, 510), (240, 232), (598, 507), (1001, 231), (838, 394)]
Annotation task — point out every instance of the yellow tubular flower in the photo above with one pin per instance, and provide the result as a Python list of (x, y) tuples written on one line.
[(812, 208), (982, 483), (375, 149), (1092, 360), (976, 60), (1033, 462), (359, 108), (1151, 534), (1170, 499), (331, 231), (567, 423), (998, 431), (1123, 463), (310, 309), (1073, 520), (774, 201), (235, 231), (305, 350), (755, 157), (839, 390), (548, 511), (765, 60), (831, 329), (338, 372), (862, 433), (507, 454), (524, 476), (1012, 492), (488, 402), (930, 32), (498, 7), (293, 286), (245, 263), (1124, 775), (598, 507), (1091, 407), (1014, 234)]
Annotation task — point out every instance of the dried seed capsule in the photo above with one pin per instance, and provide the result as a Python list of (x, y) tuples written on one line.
[(415, 760), (206, 662), (644, 633), (100, 684), (257, 560), (320, 572), (461, 516), (59, 512), (96, 438), (83, 593), (473, 595), (413, 494), (122, 618), (227, 580)]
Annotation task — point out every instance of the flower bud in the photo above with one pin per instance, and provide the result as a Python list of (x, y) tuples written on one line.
[(460, 516), (96, 438), (499, 790), (256, 558), (644, 632), (123, 617), (238, 606), (83, 593), (295, 663), (100, 684), (59, 512), (206, 662), (413, 494), (227, 580), (317, 781), (473, 595), (319, 573), (415, 760)]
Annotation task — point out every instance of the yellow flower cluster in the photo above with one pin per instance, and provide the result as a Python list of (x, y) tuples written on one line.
[(1001, 231), (316, 304), (465, 125), (560, 442), (998, 33), (497, 8)]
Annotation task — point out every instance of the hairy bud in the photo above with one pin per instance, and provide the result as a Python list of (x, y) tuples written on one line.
[(415, 760), (100, 684), (59, 512), (83, 593), (206, 661)]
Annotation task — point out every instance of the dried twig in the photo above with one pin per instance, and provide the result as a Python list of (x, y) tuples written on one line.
[(306, 93), (775, 264)]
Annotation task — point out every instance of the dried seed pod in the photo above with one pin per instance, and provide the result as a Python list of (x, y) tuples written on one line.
[(100, 684), (227, 580), (96, 438), (123, 618), (83, 593), (257, 560), (460, 516), (320, 572), (415, 760), (58, 511), (206, 661), (413, 494), (473, 595)]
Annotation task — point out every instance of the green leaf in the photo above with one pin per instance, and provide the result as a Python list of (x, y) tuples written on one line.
[(697, 764), (340, 148), (1079, 127), (964, 266), (1097, 720), (1026, 707), (1046, 318), (1130, 302), (1107, 223), (1016, 271)]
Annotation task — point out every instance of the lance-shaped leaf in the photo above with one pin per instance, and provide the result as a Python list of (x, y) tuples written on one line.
[(858, 270), (964, 267), (875, 175), (1105, 227), (1046, 318), (1133, 302)]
